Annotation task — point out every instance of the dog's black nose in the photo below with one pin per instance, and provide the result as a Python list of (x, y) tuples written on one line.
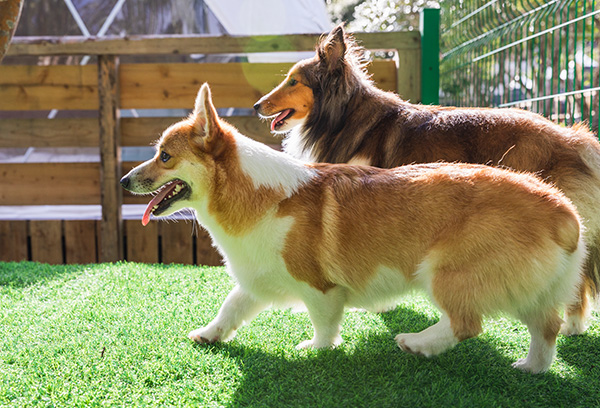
[(125, 182), (257, 106)]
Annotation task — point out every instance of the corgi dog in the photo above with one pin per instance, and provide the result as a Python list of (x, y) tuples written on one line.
[(333, 113), (477, 239)]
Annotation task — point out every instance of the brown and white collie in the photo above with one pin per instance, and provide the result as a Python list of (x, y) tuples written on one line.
[(333, 113), (477, 239)]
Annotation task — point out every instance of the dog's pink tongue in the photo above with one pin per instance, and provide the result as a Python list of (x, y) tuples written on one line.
[(157, 199), (279, 117)]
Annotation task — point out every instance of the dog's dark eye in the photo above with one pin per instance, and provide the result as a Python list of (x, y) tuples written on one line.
[(292, 82), (164, 156)]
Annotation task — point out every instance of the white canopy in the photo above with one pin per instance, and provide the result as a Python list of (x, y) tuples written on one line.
[(269, 17), (256, 17)]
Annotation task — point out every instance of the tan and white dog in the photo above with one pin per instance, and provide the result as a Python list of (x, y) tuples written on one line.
[(477, 239)]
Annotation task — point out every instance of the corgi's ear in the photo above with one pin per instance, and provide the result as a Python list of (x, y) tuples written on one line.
[(332, 49), (205, 118)]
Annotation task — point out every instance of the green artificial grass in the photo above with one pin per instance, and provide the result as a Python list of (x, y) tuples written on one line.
[(116, 335)]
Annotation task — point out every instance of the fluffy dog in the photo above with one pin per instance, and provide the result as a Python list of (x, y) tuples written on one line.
[(333, 113), (477, 239)]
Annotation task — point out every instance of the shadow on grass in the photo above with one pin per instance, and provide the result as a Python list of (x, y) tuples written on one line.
[(23, 274), (377, 373)]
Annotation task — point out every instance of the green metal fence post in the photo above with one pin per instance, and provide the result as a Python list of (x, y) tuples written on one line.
[(429, 26)]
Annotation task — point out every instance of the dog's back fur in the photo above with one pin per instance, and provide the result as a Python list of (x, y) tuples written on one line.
[(352, 121), (477, 239)]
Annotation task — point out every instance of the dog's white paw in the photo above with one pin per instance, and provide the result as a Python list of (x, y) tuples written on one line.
[(410, 343), (416, 343), (306, 344), (529, 366), (207, 335), (315, 344)]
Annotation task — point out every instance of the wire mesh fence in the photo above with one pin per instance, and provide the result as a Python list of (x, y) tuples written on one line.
[(543, 56)]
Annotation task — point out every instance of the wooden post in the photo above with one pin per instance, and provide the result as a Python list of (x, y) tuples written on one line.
[(111, 197), (10, 11)]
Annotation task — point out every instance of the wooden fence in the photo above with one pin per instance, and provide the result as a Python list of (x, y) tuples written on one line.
[(106, 88)]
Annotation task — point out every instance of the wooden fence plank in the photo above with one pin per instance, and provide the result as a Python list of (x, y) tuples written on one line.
[(142, 242), (145, 131), (255, 128), (33, 87), (129, 198), (195, 44), (46, 241), (80, 241), (409, 75), (111, 225), (151, 86), (384, 74), (176, 85), (13, 241), (49, 183), (177, 242), (170, 86), (56, 184), (206, 254), (79, 132)]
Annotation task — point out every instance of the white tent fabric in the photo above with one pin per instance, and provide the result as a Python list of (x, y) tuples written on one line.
[(257, 17), (272, 17)]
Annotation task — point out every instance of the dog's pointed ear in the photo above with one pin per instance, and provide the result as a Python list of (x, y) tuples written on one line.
[(332, 49), (205, 118)]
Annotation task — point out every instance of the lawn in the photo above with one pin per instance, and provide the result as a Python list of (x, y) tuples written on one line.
[(115, 335)]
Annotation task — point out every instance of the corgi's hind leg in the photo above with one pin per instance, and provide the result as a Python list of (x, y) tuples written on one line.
[(326, 311), (461, 318), (429, 342), (239, 307), (543, 328), (577, 313), (443, 335)]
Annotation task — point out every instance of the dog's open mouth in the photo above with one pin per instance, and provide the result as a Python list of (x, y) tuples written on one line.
[(280, 119), (165, 196)]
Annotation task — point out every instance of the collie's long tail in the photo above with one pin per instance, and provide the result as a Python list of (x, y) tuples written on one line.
[(589, 206)]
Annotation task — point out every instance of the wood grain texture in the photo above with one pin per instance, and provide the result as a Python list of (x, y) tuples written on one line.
[(206, 254), (198, 44), (46, 241), (49, 183), (80, 241), (72, 132), (111, 225), (409, 75), (177, 242), (13, 241), (145, 131), (239, 85), (151, 86), (142, 242), (33, 87)]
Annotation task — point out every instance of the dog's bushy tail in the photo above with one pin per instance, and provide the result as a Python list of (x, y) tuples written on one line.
[(589, 151), (592, 271)]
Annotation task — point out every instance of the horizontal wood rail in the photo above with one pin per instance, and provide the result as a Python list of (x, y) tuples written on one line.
[(198, 44), (151, 86)]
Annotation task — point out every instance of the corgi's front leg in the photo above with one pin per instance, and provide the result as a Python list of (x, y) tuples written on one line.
[(326, 311), (239, 308)]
